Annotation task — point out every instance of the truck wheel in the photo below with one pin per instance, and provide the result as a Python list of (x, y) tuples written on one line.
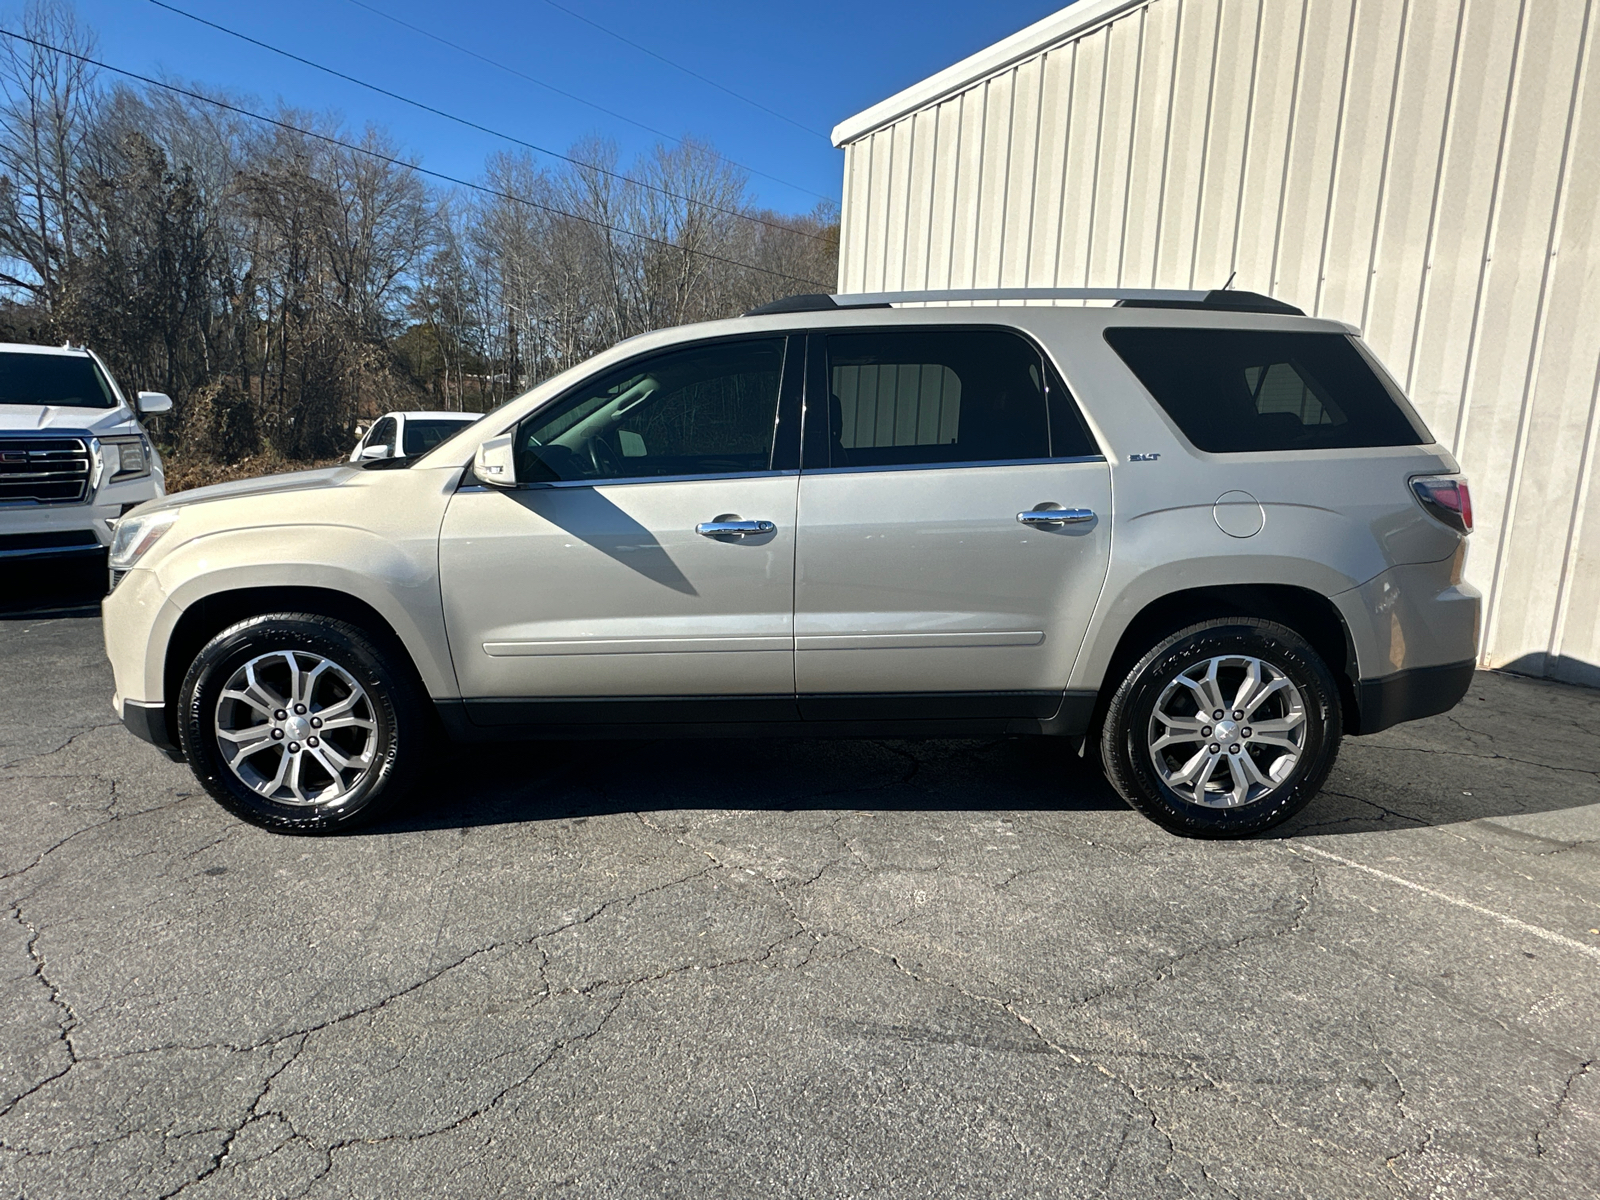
[(1226, 728), (296, 722)]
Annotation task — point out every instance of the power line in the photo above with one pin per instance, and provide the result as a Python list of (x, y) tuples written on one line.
[(410, 166), (468, 124), (510, 70), (680, 67)]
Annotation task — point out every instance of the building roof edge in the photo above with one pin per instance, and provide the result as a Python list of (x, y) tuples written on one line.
[(1074, 19)]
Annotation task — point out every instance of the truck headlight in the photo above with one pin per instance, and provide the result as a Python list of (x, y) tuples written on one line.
[(135, 535), (125, 458)]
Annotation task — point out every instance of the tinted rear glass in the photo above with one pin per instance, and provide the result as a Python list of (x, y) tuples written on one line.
[(1239, 390), (69, 380)]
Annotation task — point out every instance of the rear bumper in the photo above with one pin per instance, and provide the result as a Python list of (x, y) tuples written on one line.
[(148, 723), (1411, 695)]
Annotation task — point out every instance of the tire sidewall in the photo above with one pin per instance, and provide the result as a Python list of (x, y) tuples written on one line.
[(1135, 705), (330, 639)]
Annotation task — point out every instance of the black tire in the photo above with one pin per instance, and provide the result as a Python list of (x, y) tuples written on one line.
[(1125, 742), (394, 704)]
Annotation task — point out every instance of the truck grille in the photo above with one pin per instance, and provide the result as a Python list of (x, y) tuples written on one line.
[(44, 470)]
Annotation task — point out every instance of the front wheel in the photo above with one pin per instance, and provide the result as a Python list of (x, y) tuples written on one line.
[(1226, 728), (298, 723)]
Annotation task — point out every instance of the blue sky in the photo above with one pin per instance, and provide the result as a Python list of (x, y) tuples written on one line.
[(814, 62)]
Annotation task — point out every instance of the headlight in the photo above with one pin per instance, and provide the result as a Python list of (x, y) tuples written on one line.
[(125, 458), (135, 535)]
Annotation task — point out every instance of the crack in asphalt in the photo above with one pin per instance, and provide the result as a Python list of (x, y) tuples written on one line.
[(65, 1023), (84, 732), (1561, 1103)]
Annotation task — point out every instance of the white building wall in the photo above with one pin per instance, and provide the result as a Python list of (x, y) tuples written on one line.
[(1426, 169)]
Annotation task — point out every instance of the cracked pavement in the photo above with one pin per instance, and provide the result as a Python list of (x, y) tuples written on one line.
[(749, 968)]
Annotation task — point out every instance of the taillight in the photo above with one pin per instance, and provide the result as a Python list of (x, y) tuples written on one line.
[(1447, 499)]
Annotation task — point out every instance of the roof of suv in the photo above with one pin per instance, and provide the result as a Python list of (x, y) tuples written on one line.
[(30, 348), (1217, 300)]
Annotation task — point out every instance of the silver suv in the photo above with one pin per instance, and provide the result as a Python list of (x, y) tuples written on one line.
[(1201, 532)]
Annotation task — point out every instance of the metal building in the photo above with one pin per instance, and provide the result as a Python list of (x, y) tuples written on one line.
[(1428, 170)]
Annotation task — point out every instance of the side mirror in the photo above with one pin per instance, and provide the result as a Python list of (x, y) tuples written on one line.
[(495, 463), (379, 451), (150, 403)]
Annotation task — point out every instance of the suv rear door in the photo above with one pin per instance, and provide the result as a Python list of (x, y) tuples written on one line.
[(919, 591)]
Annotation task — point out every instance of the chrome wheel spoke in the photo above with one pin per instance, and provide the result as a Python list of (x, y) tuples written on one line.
[(239, 736), (332, 760), (1175, 739), (1253, 772), (1272, 689), (1241, 780), (348, 723), (1190, 769), (1244, 697), (1279, 740), (339, 707), (293, 782)]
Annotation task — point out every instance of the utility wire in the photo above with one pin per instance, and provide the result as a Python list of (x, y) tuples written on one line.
[(510, 70), (409, 166), (680, 67), (465, 123)]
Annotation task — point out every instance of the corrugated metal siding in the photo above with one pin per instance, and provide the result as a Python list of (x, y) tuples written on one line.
[(1426, 169)]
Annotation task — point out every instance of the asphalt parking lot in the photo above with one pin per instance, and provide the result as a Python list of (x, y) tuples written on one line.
[(754, 969)]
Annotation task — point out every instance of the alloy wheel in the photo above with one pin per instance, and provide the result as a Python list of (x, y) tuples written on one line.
[(297, 728), (1227, 731)]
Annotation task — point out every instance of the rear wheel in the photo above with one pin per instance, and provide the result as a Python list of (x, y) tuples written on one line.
[(297, 722), (1226, 728)]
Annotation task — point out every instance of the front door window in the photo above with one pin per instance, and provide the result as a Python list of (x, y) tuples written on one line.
[(705, 410)]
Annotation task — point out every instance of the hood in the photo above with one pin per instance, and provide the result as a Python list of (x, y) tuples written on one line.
[(293, 481), (35, 418)]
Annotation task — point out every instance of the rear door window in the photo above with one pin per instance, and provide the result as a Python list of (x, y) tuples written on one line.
[(922, 397), (1240, 390)]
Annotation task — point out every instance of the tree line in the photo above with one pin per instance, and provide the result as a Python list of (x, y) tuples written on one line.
[(283, 279)]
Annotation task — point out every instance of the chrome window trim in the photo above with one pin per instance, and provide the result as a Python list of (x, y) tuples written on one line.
[(958, 466), (636, 479)]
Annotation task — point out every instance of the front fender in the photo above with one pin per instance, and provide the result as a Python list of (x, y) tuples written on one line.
[(399, 579)]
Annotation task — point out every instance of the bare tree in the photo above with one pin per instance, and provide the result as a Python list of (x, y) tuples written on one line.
[(49, 106)]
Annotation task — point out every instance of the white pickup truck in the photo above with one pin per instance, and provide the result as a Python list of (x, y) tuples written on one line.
[(72, 455)]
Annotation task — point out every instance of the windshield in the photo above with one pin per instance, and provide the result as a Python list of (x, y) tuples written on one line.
[(423, 435), (68, 380)]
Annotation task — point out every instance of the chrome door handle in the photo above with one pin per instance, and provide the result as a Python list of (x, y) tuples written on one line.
[(733, 528), (1056, 516)]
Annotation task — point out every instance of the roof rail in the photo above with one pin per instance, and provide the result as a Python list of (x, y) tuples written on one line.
[(1229, 301)]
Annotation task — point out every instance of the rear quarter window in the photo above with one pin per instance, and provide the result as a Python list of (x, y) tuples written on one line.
[(1235, 391)]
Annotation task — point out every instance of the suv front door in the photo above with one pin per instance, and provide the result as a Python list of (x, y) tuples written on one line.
[(921, 591), (604, 592)]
